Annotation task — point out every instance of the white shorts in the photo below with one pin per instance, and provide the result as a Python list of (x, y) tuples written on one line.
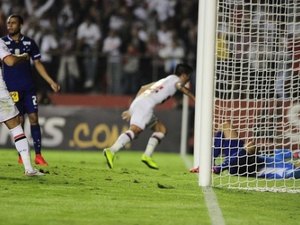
[(8, 109), (141, 113)]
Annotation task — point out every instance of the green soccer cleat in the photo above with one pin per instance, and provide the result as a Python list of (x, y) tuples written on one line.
[(149, 162), (109, 155)]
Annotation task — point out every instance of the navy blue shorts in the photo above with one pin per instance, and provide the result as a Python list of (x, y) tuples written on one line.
[(26, 101)]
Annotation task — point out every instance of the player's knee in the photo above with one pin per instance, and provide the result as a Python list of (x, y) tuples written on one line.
[(158, 135), (160, 127), (135, 130), (33, 119), (164, 130)]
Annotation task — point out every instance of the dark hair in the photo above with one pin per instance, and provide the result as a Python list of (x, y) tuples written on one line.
[(183, 68), (21, 21)]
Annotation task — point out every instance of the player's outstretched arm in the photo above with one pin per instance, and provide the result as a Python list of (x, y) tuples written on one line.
[(185, 90)]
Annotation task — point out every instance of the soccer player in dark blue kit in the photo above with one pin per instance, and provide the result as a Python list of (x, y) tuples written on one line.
[(20, 81), (242, 158)]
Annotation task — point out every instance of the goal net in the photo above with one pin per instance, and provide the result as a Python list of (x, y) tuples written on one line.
[(257, 95)]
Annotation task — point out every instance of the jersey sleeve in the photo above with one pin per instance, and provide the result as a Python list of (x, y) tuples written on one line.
[(4, 51), (34, 51)]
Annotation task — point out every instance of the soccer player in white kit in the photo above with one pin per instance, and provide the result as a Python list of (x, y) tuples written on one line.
[(141, 113), (9, 114)]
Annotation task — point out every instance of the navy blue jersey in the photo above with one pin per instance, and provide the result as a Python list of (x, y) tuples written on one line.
[(236, 159), (20, 77), (238, 162)]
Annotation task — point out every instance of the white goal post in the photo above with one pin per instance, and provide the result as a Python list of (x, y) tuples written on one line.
[(248, 76)]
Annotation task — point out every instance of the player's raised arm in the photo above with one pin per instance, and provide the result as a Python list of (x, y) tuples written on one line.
[(144, 88), (185, 90)]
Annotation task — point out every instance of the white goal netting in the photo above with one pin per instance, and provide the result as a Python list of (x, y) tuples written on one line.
[(257, 91)]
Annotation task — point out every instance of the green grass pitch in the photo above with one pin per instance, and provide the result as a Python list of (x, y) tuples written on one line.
[(79, 189)]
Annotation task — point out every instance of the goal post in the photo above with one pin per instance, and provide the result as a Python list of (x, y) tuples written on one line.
[(248, 76), (204, 88)]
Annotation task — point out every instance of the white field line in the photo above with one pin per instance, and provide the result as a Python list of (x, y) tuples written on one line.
[(211, 200)]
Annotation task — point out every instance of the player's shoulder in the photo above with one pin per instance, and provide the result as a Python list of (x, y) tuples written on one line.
[(173, 77), (5, 38), (2, 43), (26, 38)]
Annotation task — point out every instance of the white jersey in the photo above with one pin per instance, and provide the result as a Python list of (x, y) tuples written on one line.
[(4, 51), (141, 109), (161, 90), (8, 109)]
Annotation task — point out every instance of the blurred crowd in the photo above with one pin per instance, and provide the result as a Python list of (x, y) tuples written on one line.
[(108, 46), (258, 49), (115, 46)]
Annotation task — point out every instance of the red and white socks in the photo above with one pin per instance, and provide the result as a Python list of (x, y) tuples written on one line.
[(22, 146)]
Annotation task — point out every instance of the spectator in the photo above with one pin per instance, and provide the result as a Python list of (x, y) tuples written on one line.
[(116, 20), (153, 45), (31, 28), (111, 47), (11, 6), (138, 37), (49, 47), (172, 54), (66, 17), (88, 42), (164, 34), (6, 7), (144, 16), (153, 62), (151, 23), (68, 71), (164, 8), (131, 70), (36, 9), (2, 24), (284, 74), (140, 11)]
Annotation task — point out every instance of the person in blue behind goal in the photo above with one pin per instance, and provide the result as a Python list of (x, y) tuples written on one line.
[(20, 81), (242, 158)]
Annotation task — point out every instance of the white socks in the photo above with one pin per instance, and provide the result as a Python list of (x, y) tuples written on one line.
[(22, 146), (154, 140), (123, 139), (128, 136)]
